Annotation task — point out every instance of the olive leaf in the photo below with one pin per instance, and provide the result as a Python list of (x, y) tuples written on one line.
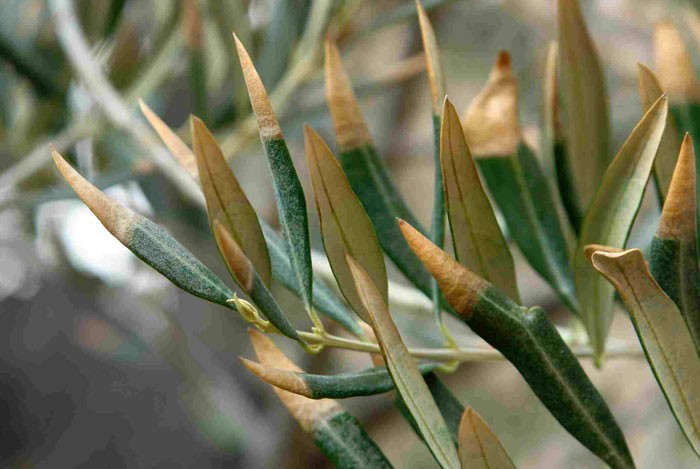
[(554, 139), (650, 90), (674, 253), (585, 99), (147, 240), (610, 216), (527, 338), (479, 447), (345, 226), (367, 382), (336, 433), (226, 202), (404, 371), (289, 195), (323, 296), (516, 180), (663, 334), (366, 173), (436, 80), (477, 238)]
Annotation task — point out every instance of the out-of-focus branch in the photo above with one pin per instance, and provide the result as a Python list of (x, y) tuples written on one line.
[(108, 100), (31, 68), (91, 123)]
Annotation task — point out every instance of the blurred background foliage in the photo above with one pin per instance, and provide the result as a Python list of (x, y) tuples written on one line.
[(104, 363)]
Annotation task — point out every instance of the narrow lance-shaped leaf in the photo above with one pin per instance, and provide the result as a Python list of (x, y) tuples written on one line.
[(674, 252), (147, 240), (450, 407), (367, 382), (235, 227), (679, 79), (335, 432), (366, 173), (323, 297), (516, 180), (477, 238), (289, 195), (663, 334), (650, 90), (242, 269), (436, 81), (479, 447), (585, 99), (527, 338), (226, 201), (345, 226), (610, 216), (554, 140), (404, 372)]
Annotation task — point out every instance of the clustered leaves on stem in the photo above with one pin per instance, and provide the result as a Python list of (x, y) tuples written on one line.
[(363, 216)]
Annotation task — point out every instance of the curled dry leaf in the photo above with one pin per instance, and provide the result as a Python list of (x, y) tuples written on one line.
[(663, 334), (491, 122)]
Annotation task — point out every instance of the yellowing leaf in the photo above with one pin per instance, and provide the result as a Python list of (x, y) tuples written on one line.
[(226, 201), (583, 91), (477, 238), (610, 216), (663, 334), (404, 371), (479, 447), (345, 226)]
